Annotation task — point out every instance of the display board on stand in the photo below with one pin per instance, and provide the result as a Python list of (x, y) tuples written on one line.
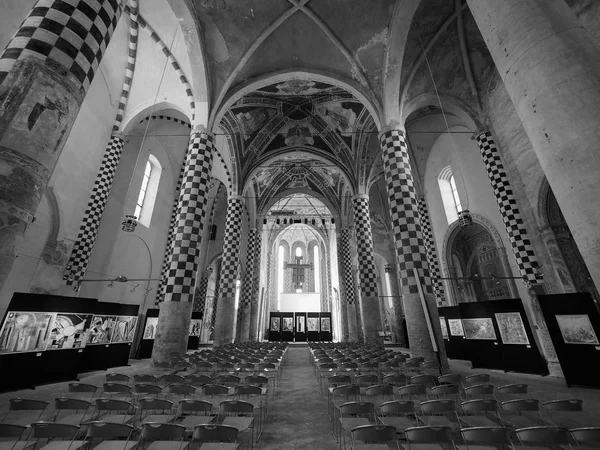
[(300, 326)]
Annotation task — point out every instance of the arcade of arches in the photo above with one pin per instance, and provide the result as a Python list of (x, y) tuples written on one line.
[(281, 154)]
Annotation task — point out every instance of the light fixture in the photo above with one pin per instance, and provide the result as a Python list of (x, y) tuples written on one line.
[(389, 268), (465, 218), (129, 224)]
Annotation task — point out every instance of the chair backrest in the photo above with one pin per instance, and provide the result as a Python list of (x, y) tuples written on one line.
[(204, 366), (171, 378), (11, 430), (71, 403), (256, 380), (347, 390), (147, 388), (325, 367), (513, 389), (247, 390), (153, 431), (104, 430), (438, 406), (356, 408), (546, 435), (426, 379), (380, 389), (413, 389), (236, 406), (214, 389), (479, 405), (51, 430), (521, 404), (82, 387), (20, 404), (181, 389), (397, 407), (586, 435), (450, 378), (112, 377), (155, 404), (145, 379), (214, 433), (108, 404), (228, 379), (479, 389), (477, 378), (374, 433), (395, 379), (118, 388), (446, 389), (489, 435), (564, 405), (428, 434), (191, 405)]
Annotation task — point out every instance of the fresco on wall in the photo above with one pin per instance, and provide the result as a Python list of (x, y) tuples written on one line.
[(252, 120), (296, 87), (25, 331)]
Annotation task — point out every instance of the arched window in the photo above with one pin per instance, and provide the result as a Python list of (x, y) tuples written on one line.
[(317, 270), (450, 196), (281, 256), (144, 205)]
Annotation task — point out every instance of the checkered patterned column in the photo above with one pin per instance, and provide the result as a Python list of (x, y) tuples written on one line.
[(513, 222), (200, 295), (364, 241), (410, 248), (348, 284), (72, 35), (226, 319), (88, 230), (245, 309), (408, 236), (432, 258), (191, 215), (254, 314)]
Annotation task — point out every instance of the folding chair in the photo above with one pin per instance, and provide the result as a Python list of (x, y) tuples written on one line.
[(450, 378), (521, 413), (340, 395), (325, 371), (111, 435), (171, 378), (240, 415), (116, 378), (486, 438), (565, 413), (195, 412), (352, 415), (364, 381), (214, 393), (398, 414), (270, 371), (554, 438), (215, 437), (378, 394), (431, 367), (23, 411), (586, 437), (146, 390), (438, 413), (512, 392), (114, 411), (179, 391), (425, 379), (204, 368), (421, 438), (228, 380), (479, 391), (199, 380), (77, 409), (482, 412), (10, 437), (395, 379), (447, 391), (82, 390), (58, 436), (477, 378), (164, 436), (373, 437), (254, 395), (146, 379), (119, 390), (155, 410), (413, 391)]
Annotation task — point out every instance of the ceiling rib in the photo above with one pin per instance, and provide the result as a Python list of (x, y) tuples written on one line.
[(240, 65)]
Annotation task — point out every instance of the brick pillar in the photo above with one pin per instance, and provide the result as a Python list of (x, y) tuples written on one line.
[(410, 248), (88, 230), (45, 72), (348, 283), (432, 257), (226, 311), (369, 300), (173, 325)]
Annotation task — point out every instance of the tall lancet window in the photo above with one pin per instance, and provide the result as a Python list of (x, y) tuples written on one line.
[(317, 269), (144, 206), (280, 263), (449, 193)]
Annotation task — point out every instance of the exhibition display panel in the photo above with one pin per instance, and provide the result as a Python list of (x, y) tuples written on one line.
[(300, 326), (149, 333)]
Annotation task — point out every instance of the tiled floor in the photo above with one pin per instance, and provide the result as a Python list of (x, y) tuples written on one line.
[(298, 418)]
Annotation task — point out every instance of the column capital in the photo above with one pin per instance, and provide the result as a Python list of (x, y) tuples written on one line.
[(391, 127), (481, 132), (241, 198), (117, 134), (357, 196), (202, 129)]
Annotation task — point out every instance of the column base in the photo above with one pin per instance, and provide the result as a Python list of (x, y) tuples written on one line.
[(225, 321), (371, 320), (352, 324), (172, 331), (245, 323)]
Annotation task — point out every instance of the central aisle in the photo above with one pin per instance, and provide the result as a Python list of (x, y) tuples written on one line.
[(299, 414)]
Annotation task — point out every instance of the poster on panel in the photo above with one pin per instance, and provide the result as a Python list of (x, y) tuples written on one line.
[(512, 329), (150, 329), (456, 327), (577, 329), (479, 329), (24, 331), (69, 330), (444, 327)]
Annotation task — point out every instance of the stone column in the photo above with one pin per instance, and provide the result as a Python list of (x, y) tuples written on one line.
[(342, 295), (45, 72), (175, 313), (255, 301), (88, 230), (410, 248), (246, 297), (370, 311), (551, 67), (348, 284), (432, 257), (226, 312)]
